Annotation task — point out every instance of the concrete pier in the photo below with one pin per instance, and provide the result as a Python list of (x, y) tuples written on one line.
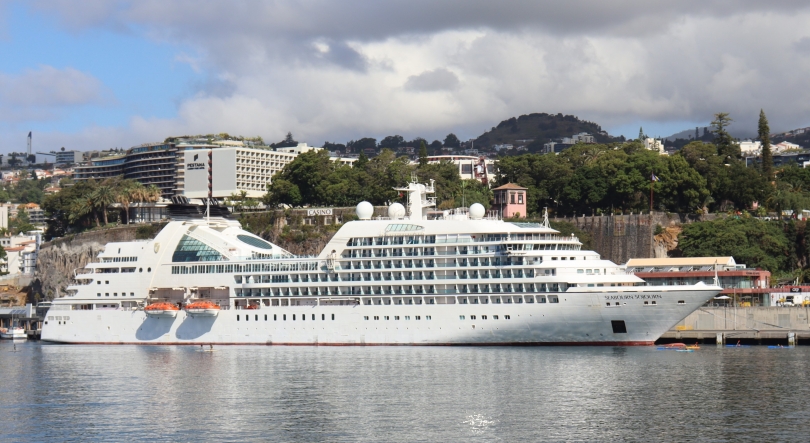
[(723, 325)]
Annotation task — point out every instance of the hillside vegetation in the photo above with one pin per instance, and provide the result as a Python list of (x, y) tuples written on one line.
[(540, 127)]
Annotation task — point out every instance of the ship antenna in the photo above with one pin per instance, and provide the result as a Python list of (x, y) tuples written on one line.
[(545, 217)]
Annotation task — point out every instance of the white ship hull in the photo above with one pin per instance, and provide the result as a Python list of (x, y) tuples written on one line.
[(578, 319)]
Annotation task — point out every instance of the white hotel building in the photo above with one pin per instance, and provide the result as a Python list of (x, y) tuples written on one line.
[(222, 171)]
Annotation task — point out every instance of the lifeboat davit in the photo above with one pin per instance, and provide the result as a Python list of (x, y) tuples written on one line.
[(203, 309), (162, 309)]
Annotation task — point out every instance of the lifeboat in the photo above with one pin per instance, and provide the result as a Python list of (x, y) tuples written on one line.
[(203, 309), (162, 309)]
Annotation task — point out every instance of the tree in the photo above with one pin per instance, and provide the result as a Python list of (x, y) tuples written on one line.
[(102, 198), (726, 147), (451, 141), (21, 223), (392, 142), (640, 134), (765, 137), (754, 242), (423, 160)]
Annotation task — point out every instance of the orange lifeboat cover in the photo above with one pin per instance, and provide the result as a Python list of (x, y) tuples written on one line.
[(162, 306), (202, 305)]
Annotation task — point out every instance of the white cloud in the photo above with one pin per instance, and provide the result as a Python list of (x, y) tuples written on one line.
[(341, 70), (44, 92)]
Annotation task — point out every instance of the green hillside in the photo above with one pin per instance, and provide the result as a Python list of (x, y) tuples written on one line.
[(540, 128)]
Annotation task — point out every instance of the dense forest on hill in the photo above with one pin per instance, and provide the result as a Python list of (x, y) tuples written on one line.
[(541, 128)]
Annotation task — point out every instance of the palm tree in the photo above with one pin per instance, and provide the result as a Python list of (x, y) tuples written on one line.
[(137, 193), (80, 208), (102, 198), (152, 194)]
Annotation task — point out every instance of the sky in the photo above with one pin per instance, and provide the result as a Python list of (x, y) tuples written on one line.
[(101, 74)]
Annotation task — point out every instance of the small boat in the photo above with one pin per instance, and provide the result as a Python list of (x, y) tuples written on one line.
[(738, 346), (203, 309), (672, 347), (779, 347), (162, 310), (13, 333)]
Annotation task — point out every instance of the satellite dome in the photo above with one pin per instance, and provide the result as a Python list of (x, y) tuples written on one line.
[(477, 211), (396, 211), (364, 210)]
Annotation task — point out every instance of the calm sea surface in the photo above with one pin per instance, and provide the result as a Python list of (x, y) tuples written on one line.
[(130, 393)]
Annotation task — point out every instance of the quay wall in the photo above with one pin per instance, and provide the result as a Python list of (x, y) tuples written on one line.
[(750, 318), (619, 238)]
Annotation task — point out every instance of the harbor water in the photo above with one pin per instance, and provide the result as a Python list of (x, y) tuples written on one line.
[(250, 393)]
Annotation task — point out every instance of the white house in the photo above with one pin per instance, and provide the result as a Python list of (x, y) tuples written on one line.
[(654, 145)]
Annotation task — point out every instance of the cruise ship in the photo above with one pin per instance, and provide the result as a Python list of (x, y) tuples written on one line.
[(416, 277)]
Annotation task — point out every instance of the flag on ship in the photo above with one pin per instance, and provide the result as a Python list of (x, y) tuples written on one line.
[(654, 178)]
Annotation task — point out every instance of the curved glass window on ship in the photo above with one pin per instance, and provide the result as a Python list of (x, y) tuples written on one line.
[(191, 249), (403, 227), (255, 242)]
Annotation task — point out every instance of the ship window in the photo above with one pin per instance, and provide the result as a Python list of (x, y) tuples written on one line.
[(323, 316), (427, 317), (407, 317), (653, 302), (646, 303), (237, 317), (461, 317), (483, 317), (98, 294), (553, 300), (275, 317), (140, 269), (472, 317), (247, 317), (607, 304), (115, 294), (265, 317), (293, 317), (333, 316), (418, 317), (190, 250), (365, 317), (254, 241), (396, 317), (148, 269), (494, 317), (681, 302), (106, 294), (507, 317), (257, 317), (313, 316), (618, 326), (386, 317), (99, 282), (376, 317)]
